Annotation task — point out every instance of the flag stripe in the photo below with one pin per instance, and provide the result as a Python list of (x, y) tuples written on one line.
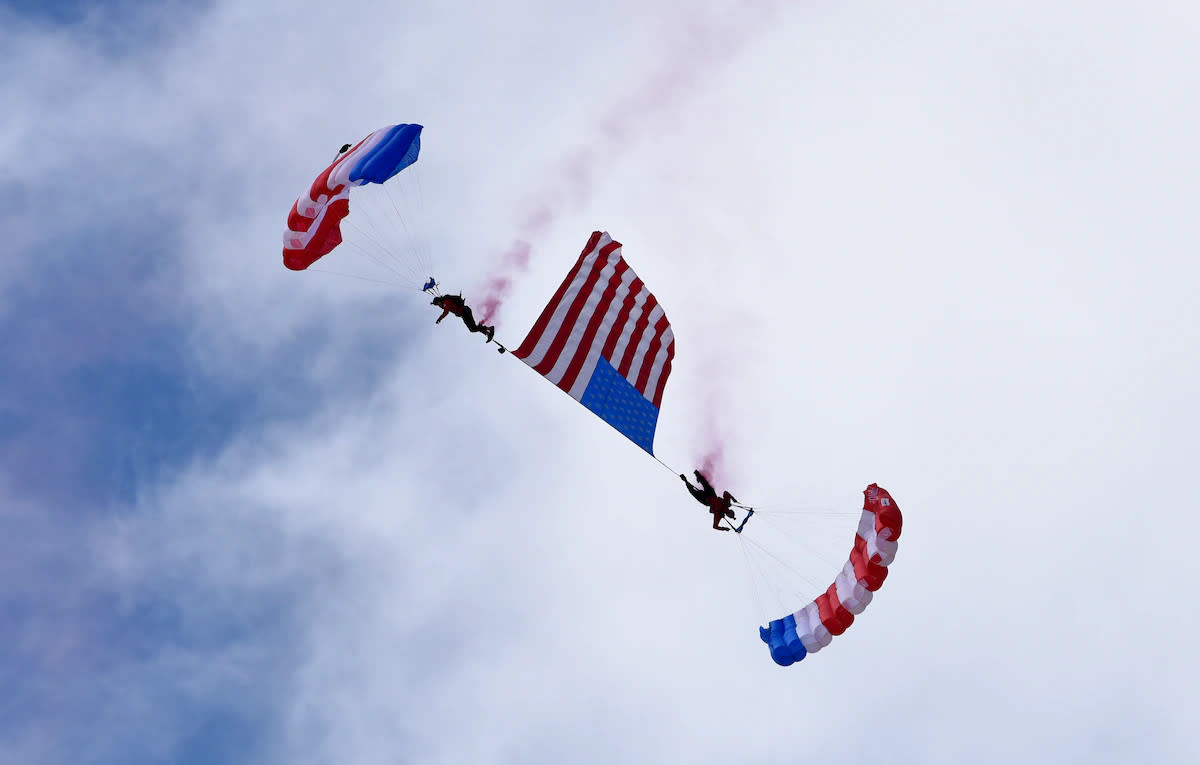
[(539, 327), (580, 293), (650, 356), (577, 346), (661, 369), (640, 322), (609, 327), (585, 351), (632, 305)]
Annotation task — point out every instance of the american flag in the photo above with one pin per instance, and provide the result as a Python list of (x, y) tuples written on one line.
[(605, 341)]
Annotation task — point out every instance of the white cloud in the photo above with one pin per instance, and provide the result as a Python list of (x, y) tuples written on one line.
[(944, 251)]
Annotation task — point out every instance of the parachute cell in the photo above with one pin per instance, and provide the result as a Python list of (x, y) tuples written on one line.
[(314, 224), (814, 626), (605, 341)]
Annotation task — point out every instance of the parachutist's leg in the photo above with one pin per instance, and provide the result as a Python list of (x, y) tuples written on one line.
[(469, 319)]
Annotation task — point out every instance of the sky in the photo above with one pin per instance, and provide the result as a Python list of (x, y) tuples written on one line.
[(253, 515)]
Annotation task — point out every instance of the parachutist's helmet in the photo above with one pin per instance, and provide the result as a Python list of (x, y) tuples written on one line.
[(436, 301), (344, 148)]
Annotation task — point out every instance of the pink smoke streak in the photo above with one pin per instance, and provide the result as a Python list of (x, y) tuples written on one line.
[(516, 258), (712, 460), (698, 49)]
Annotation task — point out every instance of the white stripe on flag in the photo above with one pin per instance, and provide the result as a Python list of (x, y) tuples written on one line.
[(560, 311), (571, 348), (639, 355), (606, 328), (627, 331), (660, 363)]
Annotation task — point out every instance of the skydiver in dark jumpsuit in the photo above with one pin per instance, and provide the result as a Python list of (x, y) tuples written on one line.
[(706, 495), (456, 305)]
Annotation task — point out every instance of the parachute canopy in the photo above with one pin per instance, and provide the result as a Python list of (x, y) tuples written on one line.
[(813, 627), (604, 340), (314, 224)]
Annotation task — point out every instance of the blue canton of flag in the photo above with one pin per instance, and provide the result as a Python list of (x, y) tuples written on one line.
[(621, 405)]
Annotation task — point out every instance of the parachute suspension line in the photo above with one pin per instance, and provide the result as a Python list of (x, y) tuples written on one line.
[(774, 525), (363, 251), (388, 282), (418, 248), (416, 195), (781, 562), (409, 275), (758, 602), (840, 514), (365, 213), (379, 239), (412, 200), (779, 592), (408, 235)]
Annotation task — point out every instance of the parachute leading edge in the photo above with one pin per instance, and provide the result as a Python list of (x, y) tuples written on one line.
[(314, 224), (604, 340)]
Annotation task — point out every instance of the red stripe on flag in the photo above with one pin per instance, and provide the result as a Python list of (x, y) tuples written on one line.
[(651, 354), (639, 328), (589, 335), (662, 377), (614, 337), (535, 334), (586, 285)]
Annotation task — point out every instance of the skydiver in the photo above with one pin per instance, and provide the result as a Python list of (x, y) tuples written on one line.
[(456, 305), (706, 495)]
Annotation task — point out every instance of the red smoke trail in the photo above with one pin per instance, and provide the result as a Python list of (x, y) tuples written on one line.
[(712, 464), (712, 460), (701, 47)]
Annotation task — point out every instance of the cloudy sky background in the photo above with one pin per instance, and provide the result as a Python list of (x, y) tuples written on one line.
[(249, 515)]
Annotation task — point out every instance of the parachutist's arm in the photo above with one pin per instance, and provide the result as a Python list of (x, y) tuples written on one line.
[(444, 314)]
